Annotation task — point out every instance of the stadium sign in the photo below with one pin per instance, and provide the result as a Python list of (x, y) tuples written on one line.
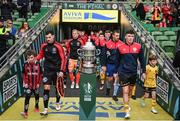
[(91, 6), (9, 88), (90, 16), (162, 89)]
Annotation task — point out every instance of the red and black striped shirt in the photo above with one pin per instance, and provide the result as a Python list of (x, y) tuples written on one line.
[(32, 74)]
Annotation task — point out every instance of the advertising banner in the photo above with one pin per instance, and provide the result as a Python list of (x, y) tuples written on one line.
[(90, 16), (87, 97), (167, 94), (90, 6), (10, 87)]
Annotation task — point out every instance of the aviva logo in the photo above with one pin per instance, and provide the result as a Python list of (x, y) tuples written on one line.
[(93, 15)]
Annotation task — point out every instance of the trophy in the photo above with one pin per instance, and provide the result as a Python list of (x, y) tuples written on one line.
[(88, 54)]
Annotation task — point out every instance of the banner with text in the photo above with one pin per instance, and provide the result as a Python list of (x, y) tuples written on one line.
[(10, 87), (90, 6), (90, 16)]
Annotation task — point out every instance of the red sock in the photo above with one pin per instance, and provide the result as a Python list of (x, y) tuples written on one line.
[(77, 78), (71, 76)]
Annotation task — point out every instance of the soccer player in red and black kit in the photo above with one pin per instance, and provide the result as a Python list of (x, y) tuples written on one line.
[(107, 35), (83, 36), (54, 60), (130, 52), (110, 62), (32, 75), (72, 46)]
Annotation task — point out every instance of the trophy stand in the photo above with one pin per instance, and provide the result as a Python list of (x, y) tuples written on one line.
[(87, 104)]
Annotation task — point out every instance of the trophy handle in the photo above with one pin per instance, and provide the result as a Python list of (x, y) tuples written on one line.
[(98, 51), (80, 52)]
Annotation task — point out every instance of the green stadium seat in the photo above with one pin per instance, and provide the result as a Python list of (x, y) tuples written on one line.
[(31, 24), (148, 13), (133, 13), (168, 46), (151, 29), (147, 26), (29, 20), (17, 23), (173, 38), (20, 19), (16, 13), (15, 17), (17, 26), (169, 33), (160, 39), (30, 14), (33, 17), (175, 29), (36, 14), (163, 29), (156, 33), (148, 16), (170, 54)]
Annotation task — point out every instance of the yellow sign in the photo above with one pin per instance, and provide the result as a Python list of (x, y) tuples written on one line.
[(93, 16)]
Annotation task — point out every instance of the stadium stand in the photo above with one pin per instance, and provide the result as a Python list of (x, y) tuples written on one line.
[(161, 35)]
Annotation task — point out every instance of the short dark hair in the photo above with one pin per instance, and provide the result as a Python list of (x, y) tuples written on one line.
[(115, 31), (130, 32), (30, 52), (152, 57), (107, 31), (49, 32)]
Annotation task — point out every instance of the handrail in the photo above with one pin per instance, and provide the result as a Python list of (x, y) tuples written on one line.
[(165, 60), (21, 42)]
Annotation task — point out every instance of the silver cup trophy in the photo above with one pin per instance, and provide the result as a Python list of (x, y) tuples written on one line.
[(88, 54)]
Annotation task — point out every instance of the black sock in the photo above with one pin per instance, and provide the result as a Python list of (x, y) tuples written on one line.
[(102, 84), (65, 81), (36, 94), (65, 78), (46, 98), (108, 91), (27, 98), (57, 97)]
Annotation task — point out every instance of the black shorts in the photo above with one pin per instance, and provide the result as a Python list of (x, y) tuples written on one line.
[(127, 79), (49, 78), (149, 89)]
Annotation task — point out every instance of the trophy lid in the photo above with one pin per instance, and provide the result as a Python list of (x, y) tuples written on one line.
[(89, 45)]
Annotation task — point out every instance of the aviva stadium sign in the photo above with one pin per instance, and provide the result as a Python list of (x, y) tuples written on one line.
[(90, 16)]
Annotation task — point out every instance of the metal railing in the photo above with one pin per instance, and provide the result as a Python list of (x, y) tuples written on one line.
[(164, 60), (14, 52)]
